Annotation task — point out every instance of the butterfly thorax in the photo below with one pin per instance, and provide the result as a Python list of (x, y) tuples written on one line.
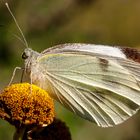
[(30, 56)]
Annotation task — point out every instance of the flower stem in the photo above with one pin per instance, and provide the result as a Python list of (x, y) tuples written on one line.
[(18, 135)]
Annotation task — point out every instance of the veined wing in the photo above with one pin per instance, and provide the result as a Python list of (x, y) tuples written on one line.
[(86, 48), (97, 88), (126, 57)]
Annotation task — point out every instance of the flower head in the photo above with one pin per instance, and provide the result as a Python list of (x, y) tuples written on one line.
[(26, 104)]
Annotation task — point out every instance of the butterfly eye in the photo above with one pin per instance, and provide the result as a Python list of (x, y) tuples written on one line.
[(24, 56)]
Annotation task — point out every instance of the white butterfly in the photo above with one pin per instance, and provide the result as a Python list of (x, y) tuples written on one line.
[(99, 83)]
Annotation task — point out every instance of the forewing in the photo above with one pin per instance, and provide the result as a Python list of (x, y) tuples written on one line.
[(126, 57), (90, 49), (99, 89)]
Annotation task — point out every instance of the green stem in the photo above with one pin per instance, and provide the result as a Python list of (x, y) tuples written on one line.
[(19, 133)]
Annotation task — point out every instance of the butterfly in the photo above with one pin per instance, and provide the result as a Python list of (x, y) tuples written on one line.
[(97, 82)]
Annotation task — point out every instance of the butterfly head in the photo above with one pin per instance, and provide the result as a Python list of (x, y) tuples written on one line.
[(30, 57), (27, 53)]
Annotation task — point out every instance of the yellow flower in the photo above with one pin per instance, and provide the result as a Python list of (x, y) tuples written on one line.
[(26, 104)]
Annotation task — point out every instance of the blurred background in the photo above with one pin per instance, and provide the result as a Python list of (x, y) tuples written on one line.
[(46, 23)]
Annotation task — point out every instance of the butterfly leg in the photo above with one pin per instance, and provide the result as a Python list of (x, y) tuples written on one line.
[(31, 82), (22, 75), (13, 75)]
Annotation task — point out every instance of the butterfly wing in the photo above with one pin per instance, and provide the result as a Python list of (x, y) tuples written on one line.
[(123, 55), (95, 86), (86, 48)]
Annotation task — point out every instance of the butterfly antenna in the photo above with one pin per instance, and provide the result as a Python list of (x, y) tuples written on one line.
[(24, 39), (17, 37)]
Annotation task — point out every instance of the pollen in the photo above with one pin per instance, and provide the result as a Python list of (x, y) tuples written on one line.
[(26, 104)]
